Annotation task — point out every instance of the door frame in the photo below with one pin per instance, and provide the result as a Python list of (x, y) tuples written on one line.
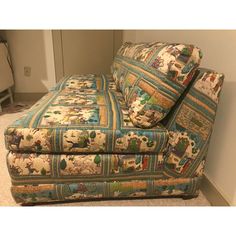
[(58, 54), (58, 50)]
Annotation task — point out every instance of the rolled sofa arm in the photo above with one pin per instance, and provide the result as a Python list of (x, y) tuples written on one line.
[(190, 125)]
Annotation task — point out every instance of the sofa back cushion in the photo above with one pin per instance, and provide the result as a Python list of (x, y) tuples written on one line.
[(152, 76)]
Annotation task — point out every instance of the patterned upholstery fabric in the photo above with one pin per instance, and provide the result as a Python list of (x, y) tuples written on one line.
[(92, 176), (152, 76), (37, 193), (80, 166), (82, 114), (167, 160), (191, 125)]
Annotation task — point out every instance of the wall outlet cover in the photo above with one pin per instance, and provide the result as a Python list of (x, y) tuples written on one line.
[(27, 71)]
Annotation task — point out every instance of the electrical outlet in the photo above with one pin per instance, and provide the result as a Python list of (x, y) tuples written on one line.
[(27, 71)]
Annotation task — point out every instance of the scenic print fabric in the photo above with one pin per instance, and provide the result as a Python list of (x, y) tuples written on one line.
[(37, 193), (191, 125), (93, 166), (80, 142), (83, 114), (152, 76)]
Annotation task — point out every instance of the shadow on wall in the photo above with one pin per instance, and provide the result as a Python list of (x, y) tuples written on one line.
[(221, 161)]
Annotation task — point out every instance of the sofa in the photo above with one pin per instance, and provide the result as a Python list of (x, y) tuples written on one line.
[(142, 131)]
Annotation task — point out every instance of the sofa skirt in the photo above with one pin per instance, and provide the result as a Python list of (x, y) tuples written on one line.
[(38, 178), (68, 191)]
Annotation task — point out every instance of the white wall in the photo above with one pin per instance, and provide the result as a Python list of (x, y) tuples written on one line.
[(219, 50), (33, 48)]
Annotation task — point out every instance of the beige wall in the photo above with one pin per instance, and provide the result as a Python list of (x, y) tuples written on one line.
[(219, 50), (32, 48), (73, 54), (87, 51)]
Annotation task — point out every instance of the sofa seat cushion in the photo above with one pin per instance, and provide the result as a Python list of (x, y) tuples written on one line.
[(82, 116), (152, 76), (90, 83)]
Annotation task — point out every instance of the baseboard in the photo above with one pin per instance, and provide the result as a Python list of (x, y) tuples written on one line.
[(19, 97), (211, 193)]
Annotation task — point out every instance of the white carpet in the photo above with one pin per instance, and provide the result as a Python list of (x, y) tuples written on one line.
[(7, 200)]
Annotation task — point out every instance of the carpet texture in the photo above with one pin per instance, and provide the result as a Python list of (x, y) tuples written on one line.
[(7, 200)]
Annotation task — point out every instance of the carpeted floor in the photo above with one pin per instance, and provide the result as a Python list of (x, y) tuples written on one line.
[(5, 183)]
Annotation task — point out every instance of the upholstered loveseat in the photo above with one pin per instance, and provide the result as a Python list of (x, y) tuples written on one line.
[(142, 131)]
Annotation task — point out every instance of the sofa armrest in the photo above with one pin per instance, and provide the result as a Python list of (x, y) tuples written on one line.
[(190, 126)]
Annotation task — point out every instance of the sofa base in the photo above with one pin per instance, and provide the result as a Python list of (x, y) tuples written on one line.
[(189, 197), (184, 197), (29, 194)]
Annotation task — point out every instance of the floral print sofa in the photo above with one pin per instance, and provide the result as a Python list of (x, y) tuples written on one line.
[(142, 131)]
